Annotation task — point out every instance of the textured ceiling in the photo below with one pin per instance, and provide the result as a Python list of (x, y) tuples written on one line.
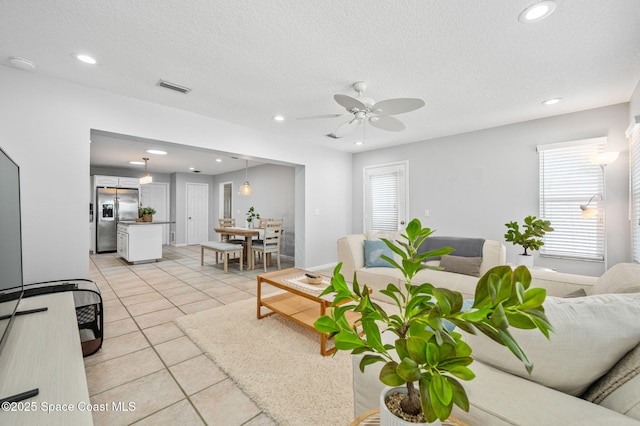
[(473, 63)]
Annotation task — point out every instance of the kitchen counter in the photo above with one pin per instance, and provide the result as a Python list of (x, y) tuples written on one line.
[(140, 244), (127, 222)]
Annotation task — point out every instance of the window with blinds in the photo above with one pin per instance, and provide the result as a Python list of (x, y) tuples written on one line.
[(568, 180), (385, 196), (634, 199)]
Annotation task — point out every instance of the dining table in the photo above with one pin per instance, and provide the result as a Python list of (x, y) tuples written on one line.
[(247, 234)]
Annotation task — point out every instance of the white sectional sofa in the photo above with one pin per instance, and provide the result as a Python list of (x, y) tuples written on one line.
[(351, 253), (596, 342)]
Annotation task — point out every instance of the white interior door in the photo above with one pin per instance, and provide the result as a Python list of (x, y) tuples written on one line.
[(385, 197), (156, 195), (197, 213)]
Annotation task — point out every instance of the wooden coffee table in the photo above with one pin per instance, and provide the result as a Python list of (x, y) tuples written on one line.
[(300, 302)]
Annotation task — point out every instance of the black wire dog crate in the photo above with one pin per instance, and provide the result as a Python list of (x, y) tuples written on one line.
[(89, 308)]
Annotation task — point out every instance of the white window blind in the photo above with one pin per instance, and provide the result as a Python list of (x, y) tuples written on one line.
[(567, 180), (384, 202), (385, 196), (634, 173)]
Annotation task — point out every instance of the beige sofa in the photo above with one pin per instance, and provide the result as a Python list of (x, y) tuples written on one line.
[(351, 254), (596, 342)]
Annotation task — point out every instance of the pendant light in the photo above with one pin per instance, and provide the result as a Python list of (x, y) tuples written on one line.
[(245, 189), (146, 177)]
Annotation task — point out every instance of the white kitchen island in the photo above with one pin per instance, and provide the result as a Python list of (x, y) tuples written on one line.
[(140, 242)]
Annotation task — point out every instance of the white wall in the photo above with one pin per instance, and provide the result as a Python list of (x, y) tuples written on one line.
[(474, 183), (45, 127), (634, 103), (273, 197)]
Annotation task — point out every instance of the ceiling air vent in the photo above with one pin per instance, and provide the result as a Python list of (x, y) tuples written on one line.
[(173, 86)]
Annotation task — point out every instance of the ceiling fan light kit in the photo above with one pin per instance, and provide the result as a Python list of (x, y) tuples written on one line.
[(363, 109)]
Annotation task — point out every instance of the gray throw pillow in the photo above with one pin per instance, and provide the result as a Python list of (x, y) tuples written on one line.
[(576, 293), (461, 265)]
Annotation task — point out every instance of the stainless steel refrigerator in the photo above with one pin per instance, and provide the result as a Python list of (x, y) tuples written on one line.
[(113, 205)]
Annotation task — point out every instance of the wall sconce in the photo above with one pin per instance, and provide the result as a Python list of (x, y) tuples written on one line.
[(245, 189), (589, 212)]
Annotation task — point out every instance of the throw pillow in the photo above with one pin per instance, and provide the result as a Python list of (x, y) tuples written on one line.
[(581, 292), (591, 335), (626, 369), (461, 265), (620, 278), (373, 249)]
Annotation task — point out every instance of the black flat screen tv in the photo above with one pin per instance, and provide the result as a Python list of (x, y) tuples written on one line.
[(11, 284)]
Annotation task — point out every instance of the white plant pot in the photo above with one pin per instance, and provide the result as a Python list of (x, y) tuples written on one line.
[(525, 260), (387, 418)]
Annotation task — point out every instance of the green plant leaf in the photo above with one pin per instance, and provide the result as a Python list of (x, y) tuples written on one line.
[(433, 354), (370, 359), (533, 298), (347, 340), (417, 348), (425, 400), (441, 409), (409, 370), (459, 394), (462, 372), (389, 376), (442, 389), (325, 324), (372, 333), (401, 348)]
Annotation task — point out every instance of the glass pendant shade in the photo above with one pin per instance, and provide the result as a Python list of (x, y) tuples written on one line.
[(146, 177), (246, 189)]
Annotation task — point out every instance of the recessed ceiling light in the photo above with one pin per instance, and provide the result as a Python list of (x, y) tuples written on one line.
[(537, 12), (218, 160), (551, 101), (278, 118), (358, 143), (192, 168), (86, 59), (137, 163), (156, 152)]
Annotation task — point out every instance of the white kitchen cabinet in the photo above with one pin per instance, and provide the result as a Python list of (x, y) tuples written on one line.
[(139, 242), (116, 181)]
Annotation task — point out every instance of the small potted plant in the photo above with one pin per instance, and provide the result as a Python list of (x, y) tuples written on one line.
[(425, 352), (251, 215), (146, 213), (530, 238)]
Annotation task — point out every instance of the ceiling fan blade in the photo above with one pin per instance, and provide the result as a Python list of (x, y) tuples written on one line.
[(345, 128), (348, 102), (313, 117), (386, 122), (397, 106)]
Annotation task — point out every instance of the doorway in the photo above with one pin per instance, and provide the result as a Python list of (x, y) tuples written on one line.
[(226, 200), (197, 213)]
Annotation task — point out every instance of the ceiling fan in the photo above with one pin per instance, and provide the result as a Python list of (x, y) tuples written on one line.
[(378, 114)]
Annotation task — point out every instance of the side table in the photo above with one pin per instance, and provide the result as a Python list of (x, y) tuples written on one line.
[(372, 418)]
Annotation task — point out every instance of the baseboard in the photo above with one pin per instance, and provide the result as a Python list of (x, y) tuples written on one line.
[(319, 267)]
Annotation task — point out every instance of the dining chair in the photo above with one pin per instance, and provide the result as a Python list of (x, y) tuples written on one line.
[(228, 222), (270, 243)]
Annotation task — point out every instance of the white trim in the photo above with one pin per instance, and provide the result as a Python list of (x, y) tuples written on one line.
[(633, 126), (569, 144)]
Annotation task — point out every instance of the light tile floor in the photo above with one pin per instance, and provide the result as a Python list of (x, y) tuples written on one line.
[(146, 360)]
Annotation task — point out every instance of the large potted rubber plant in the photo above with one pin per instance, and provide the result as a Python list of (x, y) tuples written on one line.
[(427, 359)]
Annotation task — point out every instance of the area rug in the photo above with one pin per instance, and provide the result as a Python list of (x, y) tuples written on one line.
[(277, 363)]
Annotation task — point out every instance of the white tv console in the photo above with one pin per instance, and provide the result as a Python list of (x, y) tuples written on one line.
[(43, 351)]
